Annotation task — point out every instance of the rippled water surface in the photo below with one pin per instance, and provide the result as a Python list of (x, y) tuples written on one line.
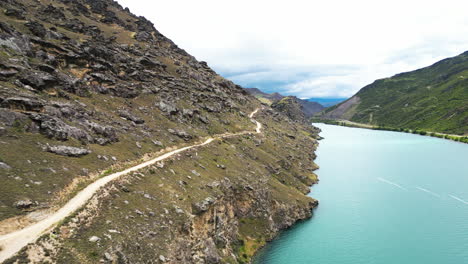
[(385, 197)]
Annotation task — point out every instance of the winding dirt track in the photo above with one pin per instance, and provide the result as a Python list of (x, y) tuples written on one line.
[(13, 242)]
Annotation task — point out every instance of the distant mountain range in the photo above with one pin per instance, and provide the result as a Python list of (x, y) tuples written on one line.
[(433, 98), (327, 102), (309, 108)]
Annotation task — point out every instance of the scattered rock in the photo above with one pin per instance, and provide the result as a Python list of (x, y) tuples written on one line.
[(24, 204), (108, 132), (23, 103), (213, 184), (14, 13), (94, 239), (8, 73), (167, 108), (151, 63), (36, 28), (203, 206), (180, 133), (67, 151), (211, 252), (138, 212), (204, 119), (182, 183), (127, 115), (179, 210), (38, 80), (4, 166), (156, 142), (108, 256)]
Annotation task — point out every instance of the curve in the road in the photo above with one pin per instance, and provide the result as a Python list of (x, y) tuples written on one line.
[(13, 242)]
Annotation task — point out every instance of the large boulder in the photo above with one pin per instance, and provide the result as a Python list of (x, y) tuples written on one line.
[(24, 204), (23, 103), (202, 206), (36, 28), (10, 118), (38, 80), (55, 128)]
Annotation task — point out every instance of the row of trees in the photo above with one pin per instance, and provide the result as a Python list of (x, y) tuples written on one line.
[(424, 133), (463, 139)]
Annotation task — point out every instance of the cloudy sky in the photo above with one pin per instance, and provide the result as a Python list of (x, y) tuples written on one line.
[(311, 48)]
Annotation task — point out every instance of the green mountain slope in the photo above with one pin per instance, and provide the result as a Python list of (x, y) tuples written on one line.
[(434, 98)]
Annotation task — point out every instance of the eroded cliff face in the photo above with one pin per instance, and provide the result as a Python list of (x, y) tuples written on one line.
[(236, 226), (88, 89)]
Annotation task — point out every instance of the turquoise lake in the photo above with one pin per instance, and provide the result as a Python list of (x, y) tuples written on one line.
[(385, 198)]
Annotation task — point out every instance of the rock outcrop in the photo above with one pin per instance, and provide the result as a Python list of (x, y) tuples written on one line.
[(308, 108), (291, 107)]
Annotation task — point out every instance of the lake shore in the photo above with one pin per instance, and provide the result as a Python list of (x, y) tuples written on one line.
[(347, 123), (378, 192)]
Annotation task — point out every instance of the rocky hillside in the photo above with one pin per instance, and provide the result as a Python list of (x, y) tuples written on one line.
[(291, 107), (264, 97), (87, 89), (434, 98), (309, 108)]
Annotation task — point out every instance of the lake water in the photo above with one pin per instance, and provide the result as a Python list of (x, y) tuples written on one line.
[(385, 198)]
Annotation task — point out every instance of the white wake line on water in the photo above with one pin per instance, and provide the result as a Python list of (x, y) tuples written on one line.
[(392, 183), (458, 199), (427, 191)]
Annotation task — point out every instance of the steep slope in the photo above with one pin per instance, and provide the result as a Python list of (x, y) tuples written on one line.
[(88, 89), (434, 98), (309, 108), (91, 76)]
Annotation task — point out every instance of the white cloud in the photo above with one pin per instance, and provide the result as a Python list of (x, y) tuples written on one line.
[(291, 42)]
